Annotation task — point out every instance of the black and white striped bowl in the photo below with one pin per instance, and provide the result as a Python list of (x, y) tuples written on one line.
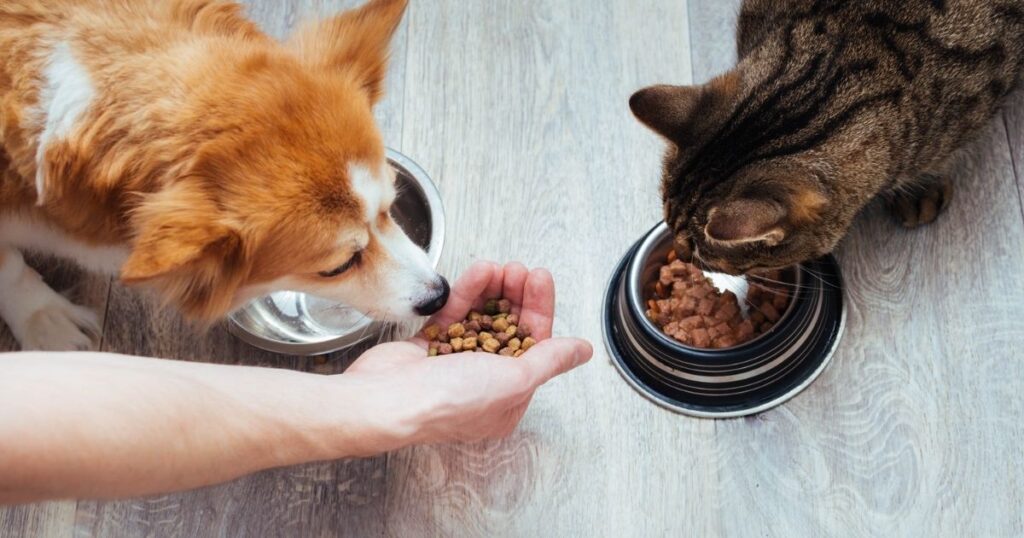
[(740, 381)]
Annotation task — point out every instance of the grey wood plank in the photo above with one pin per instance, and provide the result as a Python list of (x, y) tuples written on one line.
[(313, 500), (713, 37), (47, 520), (520, 110), (911, 432)]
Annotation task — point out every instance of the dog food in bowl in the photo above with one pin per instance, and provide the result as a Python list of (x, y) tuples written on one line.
[(687, 306), (497, 330)]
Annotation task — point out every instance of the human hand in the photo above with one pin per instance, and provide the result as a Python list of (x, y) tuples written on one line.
[(468, 396)]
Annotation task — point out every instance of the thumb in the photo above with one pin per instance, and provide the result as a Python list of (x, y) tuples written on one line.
[(556, 356)]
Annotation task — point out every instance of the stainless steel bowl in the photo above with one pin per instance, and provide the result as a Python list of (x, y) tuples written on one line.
[(744, 380), (294, 323)]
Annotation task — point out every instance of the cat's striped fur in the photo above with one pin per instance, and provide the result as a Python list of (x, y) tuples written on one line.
[(833, 102)]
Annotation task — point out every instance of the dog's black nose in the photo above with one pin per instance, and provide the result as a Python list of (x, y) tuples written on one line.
[(435, 305)]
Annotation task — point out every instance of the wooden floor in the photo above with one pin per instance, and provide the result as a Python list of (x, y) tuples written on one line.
[(519, 110)]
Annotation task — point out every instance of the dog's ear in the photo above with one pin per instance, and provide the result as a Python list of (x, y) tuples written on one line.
[(183, 249), (355, 41)]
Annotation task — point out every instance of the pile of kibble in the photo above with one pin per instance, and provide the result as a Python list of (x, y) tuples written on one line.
[(687, 306), (496, 330)]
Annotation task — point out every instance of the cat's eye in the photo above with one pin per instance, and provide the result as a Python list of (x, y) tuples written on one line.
[(342, 269)]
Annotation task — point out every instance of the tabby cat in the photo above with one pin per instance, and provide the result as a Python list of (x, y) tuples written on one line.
[(833, 103)]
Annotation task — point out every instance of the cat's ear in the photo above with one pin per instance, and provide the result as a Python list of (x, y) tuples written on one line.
[(746, 221), (677, 112), (666, 109), (356, 41)]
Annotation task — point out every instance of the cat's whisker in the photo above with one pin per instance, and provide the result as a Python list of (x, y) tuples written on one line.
[(779, 283)]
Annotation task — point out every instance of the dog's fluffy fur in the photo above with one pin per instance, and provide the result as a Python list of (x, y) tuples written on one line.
[(173, 143)]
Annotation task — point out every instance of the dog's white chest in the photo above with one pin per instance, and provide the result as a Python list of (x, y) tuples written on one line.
[(35, 235), (66, 95)]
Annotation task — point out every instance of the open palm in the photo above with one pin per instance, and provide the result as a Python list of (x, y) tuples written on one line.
[(473, 396)]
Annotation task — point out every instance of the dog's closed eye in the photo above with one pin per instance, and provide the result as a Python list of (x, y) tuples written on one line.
[(352, 262)]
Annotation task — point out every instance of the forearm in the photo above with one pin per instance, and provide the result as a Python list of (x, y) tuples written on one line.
[(102, 426)]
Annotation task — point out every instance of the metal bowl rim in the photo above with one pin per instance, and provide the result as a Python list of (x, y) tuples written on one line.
[(663, 402)]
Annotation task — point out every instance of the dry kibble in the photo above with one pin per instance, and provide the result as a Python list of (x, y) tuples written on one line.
[(688, 307), (456, 330), (491, 307), (492, 346), (495, 330), (500, 325), (505, 306)]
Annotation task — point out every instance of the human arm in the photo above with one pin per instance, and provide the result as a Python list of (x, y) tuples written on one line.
[(83, 425)]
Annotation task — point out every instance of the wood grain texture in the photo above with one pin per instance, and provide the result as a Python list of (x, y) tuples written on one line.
[(518, 110), (713, 37)]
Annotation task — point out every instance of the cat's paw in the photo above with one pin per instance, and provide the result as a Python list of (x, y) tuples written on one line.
[(59, 325), (922, 205)]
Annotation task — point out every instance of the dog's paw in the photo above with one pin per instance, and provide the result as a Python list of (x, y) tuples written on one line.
[(922, 205), (60, 325)]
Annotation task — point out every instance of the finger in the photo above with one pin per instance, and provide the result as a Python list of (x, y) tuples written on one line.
[(467, 291), (514, 283), (538, 311), (493, 290), (554, 357)]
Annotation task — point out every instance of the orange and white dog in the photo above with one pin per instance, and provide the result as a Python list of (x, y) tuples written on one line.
[(174, 144)]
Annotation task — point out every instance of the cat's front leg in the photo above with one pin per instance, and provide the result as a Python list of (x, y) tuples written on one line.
[(921, 201), (40, 318)]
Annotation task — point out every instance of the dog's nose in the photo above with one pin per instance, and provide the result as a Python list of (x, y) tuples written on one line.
[(435, 305)]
